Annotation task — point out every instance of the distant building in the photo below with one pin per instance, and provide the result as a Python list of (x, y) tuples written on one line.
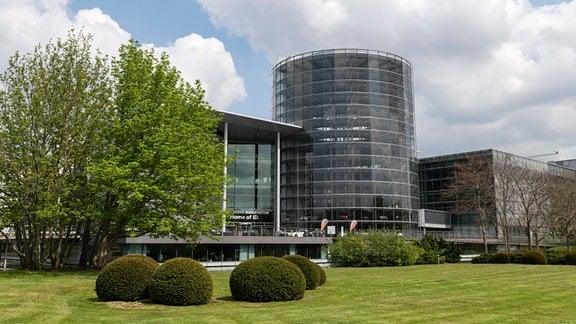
[(566, 163), (435, 174)]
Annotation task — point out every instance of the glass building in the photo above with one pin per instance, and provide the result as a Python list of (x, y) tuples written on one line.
[(566, 163), (252, 148), (437, 172), (357, 158)]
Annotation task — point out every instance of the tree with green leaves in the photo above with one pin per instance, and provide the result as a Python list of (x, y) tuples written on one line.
[(92, 151), (437, 250), (53, 103), (161, 170)]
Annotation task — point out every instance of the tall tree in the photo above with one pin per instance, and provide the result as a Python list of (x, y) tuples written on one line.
[(563, 209), (531, 195), (544, 193), (53, 102), (472, 187), (504, 190), (162, 170)]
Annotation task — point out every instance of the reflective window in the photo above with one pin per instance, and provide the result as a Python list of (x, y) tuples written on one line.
[(252, 172)]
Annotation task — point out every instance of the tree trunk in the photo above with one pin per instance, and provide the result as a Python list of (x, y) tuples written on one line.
[(506, 239), (102, 250), (102, 244), (484, 239), (86, 248), (529, 234)]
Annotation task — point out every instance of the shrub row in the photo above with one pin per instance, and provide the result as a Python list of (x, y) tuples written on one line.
[(555, 255), (560, 255), (183, 281), (178, 281), (528, 257)]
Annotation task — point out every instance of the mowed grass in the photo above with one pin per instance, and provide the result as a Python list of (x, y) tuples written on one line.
[(449, 293)]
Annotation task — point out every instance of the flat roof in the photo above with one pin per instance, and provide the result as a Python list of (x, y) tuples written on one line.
[(244, 128)]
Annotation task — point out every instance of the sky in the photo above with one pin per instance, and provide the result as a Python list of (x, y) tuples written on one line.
[(487, 73)]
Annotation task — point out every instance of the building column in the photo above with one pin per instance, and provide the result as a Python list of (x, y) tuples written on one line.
[(277, 186), (224, 196)]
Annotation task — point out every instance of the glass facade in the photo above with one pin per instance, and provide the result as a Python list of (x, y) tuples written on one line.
[(435, 175), (251, 193), (566, 163), (357, 160)]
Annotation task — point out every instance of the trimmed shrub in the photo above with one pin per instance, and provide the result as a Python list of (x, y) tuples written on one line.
[(308, 268), (267, 278), (180, 282), (516, 257), (570, 258), (555, 255), (126, 278), (500, 257), (534, 257), (322, 274), (482, 258)]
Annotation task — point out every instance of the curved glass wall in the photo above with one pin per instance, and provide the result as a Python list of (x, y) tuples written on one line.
[(358, 160)]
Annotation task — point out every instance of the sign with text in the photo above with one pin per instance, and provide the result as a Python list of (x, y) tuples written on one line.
[(253, 215)]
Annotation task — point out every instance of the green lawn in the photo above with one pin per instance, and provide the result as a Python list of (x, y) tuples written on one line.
[(449, 293)]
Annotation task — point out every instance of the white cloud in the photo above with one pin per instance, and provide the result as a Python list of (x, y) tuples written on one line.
[(27, 23), (488, 73), (108, 35), (207, 60)]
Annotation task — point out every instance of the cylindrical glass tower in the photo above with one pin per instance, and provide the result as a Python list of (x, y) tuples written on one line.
[(357, 158)]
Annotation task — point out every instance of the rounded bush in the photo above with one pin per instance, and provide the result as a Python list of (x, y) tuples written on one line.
[(570, 258), (180, 282), (500, 257), (482, 258), (534, 257), (267, 278), (308, 268), (322, 274), (126, 278)]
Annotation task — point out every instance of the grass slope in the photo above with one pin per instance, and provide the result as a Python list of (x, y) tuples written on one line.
[(449, 293)]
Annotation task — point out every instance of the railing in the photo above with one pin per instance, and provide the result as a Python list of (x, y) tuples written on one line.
[(476, 237)]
